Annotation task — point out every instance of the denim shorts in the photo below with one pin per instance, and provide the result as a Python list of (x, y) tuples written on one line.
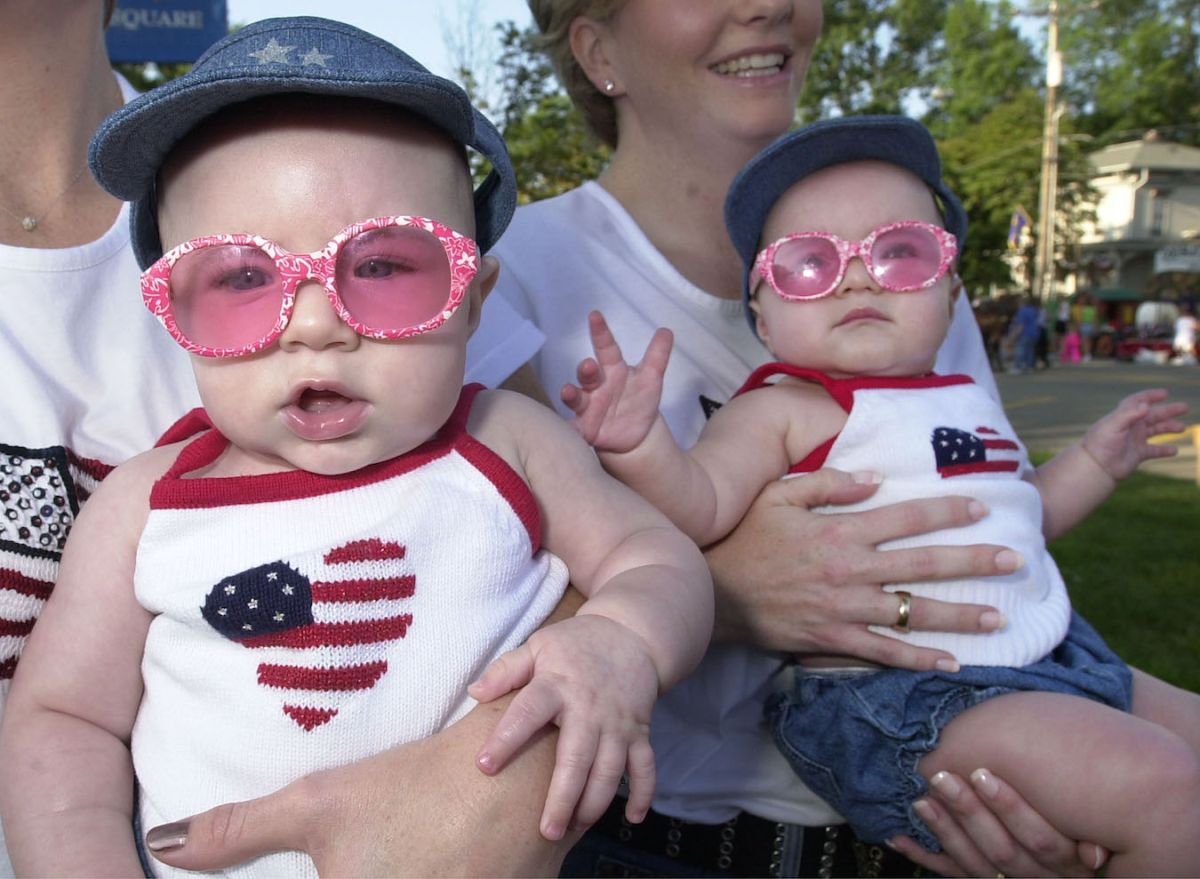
[(856, 738)]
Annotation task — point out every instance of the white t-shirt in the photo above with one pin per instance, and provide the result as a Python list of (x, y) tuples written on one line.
[(90, 379), (580, 251)]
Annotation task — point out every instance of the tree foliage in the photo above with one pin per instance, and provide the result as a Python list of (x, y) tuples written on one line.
[(1133, 65), (873, 56), (551, 148)]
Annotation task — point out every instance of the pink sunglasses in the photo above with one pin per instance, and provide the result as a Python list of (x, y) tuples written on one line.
[(900, 257), (387, 278)]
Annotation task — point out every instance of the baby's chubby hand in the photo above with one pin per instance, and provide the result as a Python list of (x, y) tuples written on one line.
[(595, 680), (1120, 441)]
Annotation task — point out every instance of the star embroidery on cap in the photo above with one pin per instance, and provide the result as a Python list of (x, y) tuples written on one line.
[(272, 53), (314, 56)]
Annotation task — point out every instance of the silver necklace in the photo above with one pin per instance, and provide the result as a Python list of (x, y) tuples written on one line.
[(29, 222)]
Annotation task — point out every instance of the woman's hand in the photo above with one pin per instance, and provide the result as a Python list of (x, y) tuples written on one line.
[(421, 809), (987, 829), (802, 582), (793, 580)]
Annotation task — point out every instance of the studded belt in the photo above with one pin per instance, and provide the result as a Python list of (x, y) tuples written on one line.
[(747, 845)]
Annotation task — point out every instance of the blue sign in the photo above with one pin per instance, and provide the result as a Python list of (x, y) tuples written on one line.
[(168, 31)]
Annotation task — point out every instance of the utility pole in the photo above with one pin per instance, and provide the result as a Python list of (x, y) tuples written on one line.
[(1043, 284)]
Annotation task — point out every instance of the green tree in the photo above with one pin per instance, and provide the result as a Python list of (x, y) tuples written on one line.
[(144, 77), (551, 148), (874, 56), (1133, 65), (986, 64)]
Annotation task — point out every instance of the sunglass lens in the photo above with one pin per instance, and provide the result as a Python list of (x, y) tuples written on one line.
[(906, 258), (225, 296), (806, 267), (393, 278)]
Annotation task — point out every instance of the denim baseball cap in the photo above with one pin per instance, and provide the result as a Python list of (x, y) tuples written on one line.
[(895, 139), (282, 56)]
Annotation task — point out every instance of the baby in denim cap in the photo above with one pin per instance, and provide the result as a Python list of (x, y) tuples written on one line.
[(849, 238), (318, 564)]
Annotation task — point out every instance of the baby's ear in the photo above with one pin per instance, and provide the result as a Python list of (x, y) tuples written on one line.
[(760, 326), (956, 286), (485, 280)]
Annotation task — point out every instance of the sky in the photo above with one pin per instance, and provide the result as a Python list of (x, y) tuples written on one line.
[(419, 27)]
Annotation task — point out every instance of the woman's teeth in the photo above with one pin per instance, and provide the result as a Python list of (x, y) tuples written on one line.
[(751, 65)]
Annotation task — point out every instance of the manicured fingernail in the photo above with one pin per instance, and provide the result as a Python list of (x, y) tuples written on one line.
[(486, 762), (867, 477), (991, 620), (946, 665), (553, 831), (1009, 560), (167, 837), (1099, 858), (977, 509), (985, 783), (946, 785), (891, 843)]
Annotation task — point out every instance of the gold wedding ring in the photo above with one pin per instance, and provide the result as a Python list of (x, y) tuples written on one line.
[(901, 624)]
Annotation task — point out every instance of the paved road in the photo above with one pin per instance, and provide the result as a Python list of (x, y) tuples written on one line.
[(1052, 408)]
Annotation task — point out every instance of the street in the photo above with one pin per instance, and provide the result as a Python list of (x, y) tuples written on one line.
[(1051, 408)]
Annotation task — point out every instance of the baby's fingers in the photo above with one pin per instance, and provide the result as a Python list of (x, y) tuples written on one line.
[(509, 672), (1165, 418), (602, 781), (573, 763), (658, 352), (533, 708), (641, 780), (605, 345)]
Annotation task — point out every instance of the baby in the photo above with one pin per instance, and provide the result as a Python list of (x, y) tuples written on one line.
[(849, 238), (316, 565)]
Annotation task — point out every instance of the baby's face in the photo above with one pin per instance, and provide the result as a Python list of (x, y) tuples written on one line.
[(323, 398), (861, 328)]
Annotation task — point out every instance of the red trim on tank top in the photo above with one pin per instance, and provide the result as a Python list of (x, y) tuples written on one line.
[(174, 491), (842, 391)]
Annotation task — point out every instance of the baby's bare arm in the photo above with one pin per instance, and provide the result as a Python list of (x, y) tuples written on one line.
[(645, 625), (66, 780)]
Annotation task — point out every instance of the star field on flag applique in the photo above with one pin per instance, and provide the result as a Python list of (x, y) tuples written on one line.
[(960, 452)]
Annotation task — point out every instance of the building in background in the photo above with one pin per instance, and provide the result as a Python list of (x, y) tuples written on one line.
[(1145, 242)]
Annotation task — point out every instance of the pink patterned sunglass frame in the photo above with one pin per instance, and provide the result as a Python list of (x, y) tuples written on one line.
[(764, 265), (296, 268)]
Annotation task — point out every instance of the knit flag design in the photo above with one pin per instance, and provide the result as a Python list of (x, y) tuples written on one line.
[(334, 615), (960, 452), (40, 493)]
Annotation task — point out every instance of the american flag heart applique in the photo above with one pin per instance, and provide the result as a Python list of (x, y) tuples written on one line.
[(335, 615), (960, 452)]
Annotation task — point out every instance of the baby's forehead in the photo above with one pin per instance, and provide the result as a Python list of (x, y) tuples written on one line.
[(851, 194), (303, 127)]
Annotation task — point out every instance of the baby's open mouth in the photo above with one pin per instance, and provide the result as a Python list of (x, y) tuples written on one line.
[(321, 400)]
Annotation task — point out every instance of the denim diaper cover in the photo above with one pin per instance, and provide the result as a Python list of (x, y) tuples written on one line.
[(855, 738)]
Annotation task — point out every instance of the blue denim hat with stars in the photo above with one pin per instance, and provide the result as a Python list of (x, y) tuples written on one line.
[(286, 56)]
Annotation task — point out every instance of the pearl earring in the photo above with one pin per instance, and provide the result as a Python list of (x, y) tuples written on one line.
[(609, 85)]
